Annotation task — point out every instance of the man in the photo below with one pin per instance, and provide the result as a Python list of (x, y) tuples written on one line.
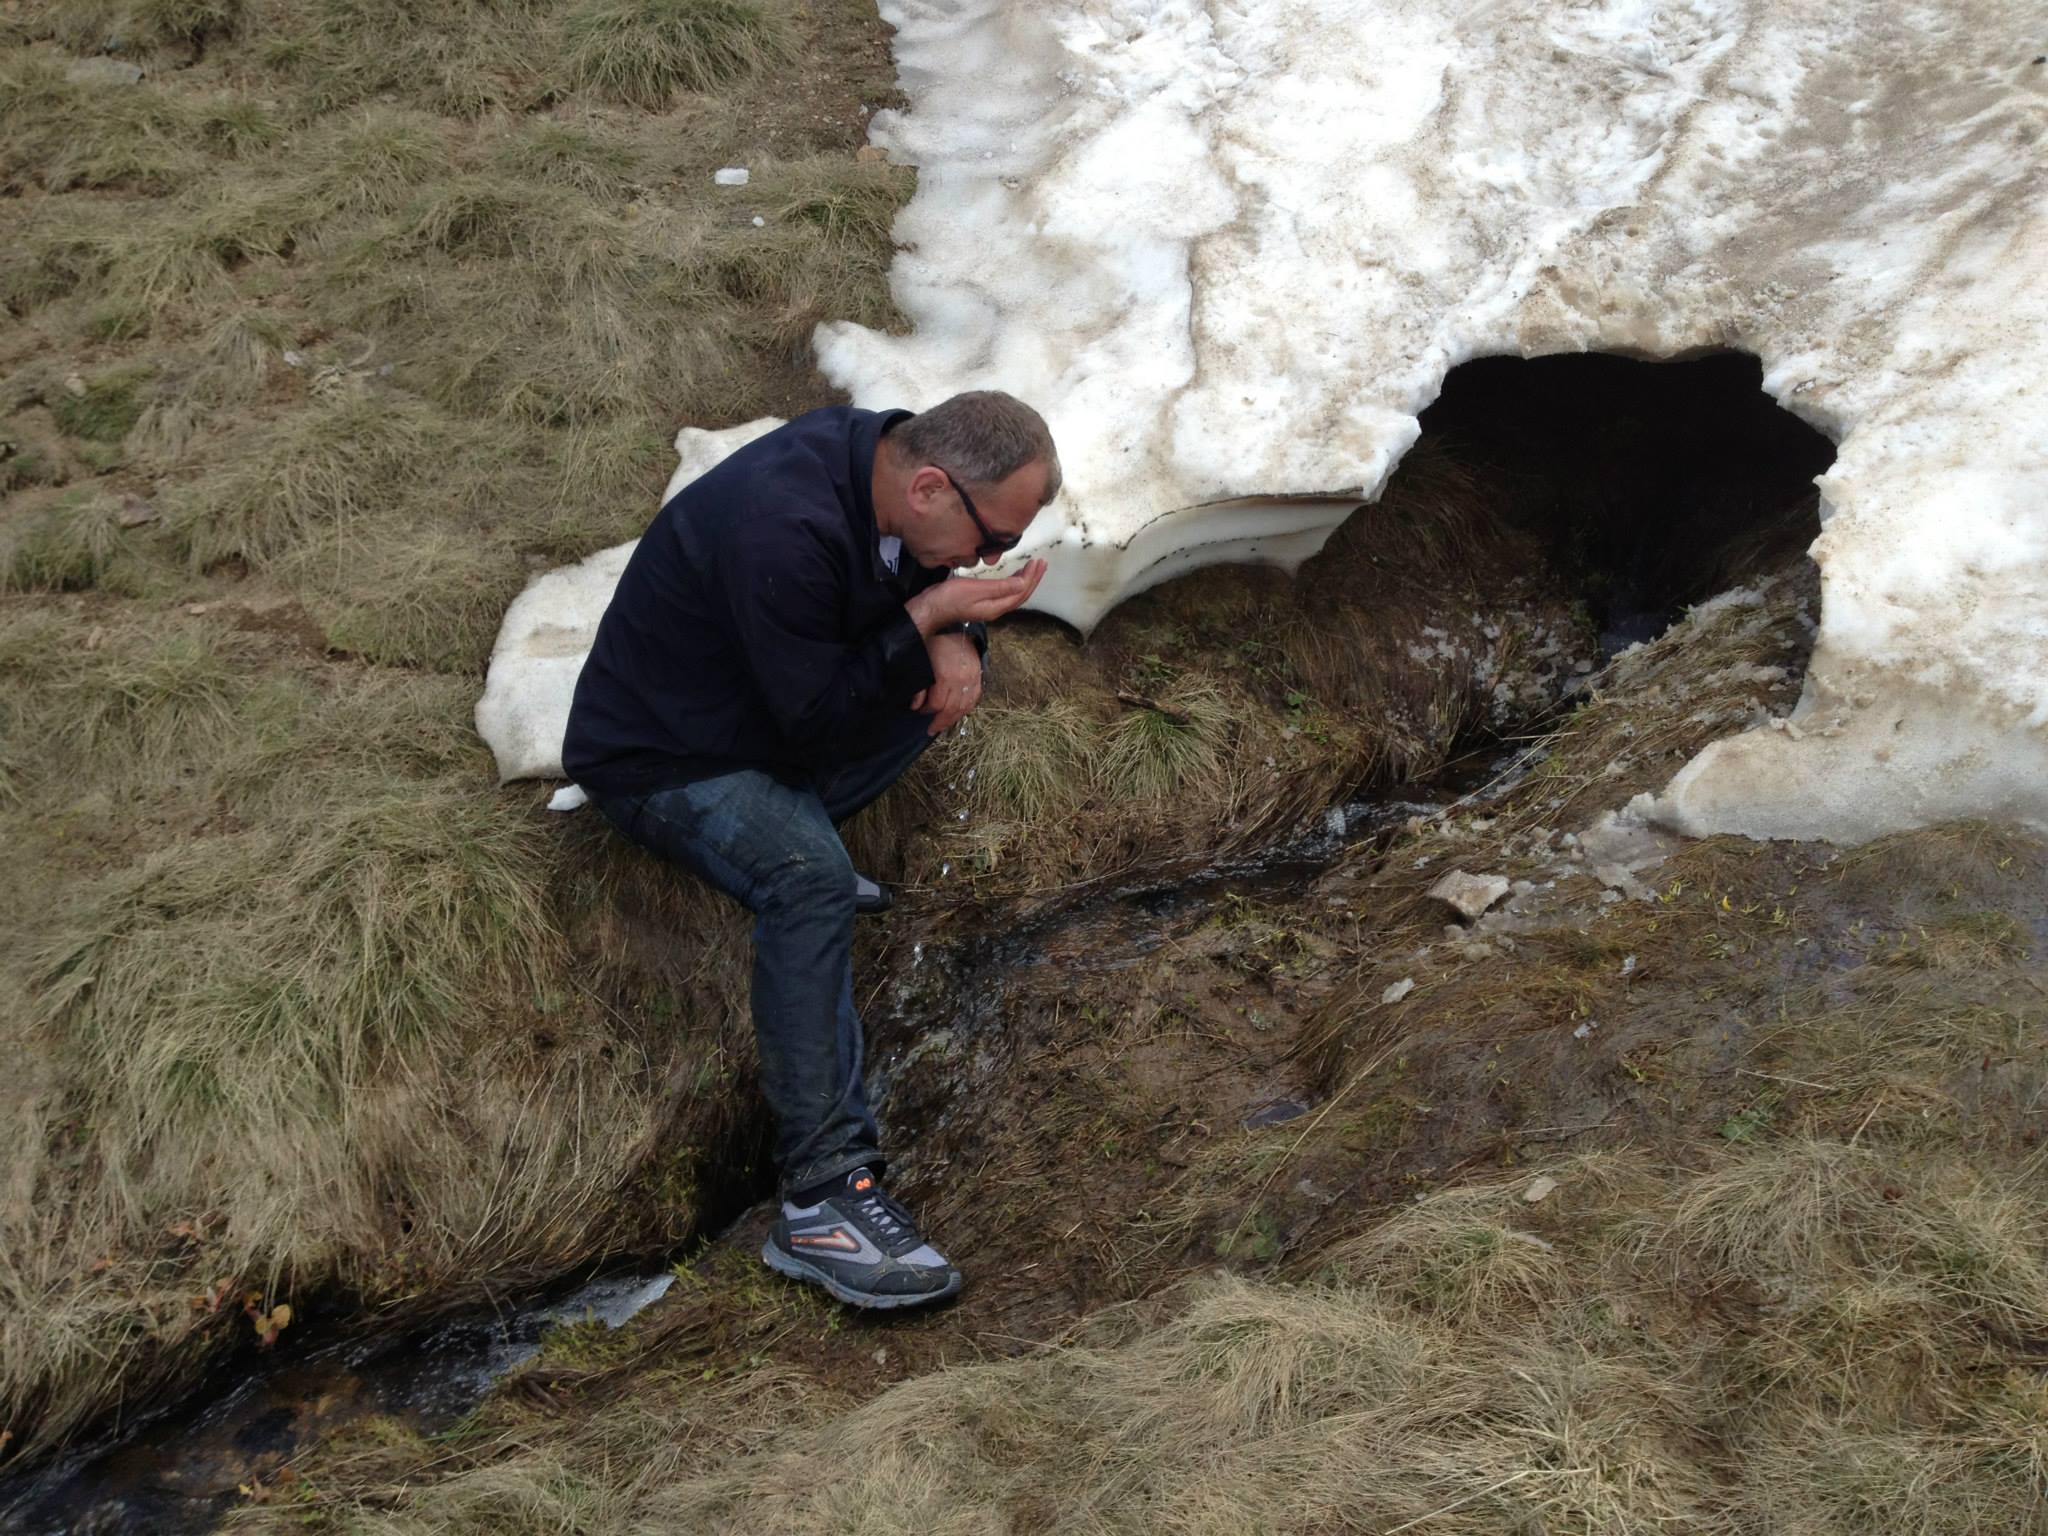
[(782, 645)]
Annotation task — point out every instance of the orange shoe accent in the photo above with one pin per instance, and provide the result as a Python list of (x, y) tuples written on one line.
[(860, 1186)]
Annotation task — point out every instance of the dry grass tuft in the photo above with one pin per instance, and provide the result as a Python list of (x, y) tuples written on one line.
[(641, 52), (92, 25), (59, 136), (1030, 764), (594, 164), (137, 699), (68, 544), (318, 470), (398, 596), (1157, 748)]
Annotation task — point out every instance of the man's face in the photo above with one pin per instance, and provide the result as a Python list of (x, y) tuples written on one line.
[(941, 532)]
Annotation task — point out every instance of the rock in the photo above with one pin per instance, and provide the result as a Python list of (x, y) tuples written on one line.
[(871, 154), (103, 72), (135, 512), (1398, 990), (74, 386), (1540, 1189), (1469, 895), (730, 176), (1279, 1112)]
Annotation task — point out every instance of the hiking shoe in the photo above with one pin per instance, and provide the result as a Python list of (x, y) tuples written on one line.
[(861, 1246), (869, 896)]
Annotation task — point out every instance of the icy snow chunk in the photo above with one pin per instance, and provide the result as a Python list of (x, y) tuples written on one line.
[(1469, 895), (730, 176), (541, 645)]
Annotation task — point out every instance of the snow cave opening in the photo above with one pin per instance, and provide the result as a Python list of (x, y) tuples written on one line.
[(1651, 485)]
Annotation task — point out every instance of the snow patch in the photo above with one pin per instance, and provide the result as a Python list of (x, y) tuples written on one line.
[(1231, 251)]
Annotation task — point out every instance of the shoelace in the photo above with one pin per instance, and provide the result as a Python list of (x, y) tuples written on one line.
[(893, 1220)]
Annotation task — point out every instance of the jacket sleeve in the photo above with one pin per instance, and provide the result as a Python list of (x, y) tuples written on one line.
[(786, 593)]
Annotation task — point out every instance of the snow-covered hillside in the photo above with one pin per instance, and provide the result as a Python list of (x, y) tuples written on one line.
[(1231, 249)]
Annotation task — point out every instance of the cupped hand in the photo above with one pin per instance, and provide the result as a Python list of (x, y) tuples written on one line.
[(969, 599)]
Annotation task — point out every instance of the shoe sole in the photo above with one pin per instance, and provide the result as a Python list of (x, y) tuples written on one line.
[(785, 1264)]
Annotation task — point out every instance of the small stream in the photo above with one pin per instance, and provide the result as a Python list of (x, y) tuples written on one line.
[(182, 1471), (178, 1473)]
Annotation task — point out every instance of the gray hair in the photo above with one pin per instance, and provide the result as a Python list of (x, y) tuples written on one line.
[(981, 437)]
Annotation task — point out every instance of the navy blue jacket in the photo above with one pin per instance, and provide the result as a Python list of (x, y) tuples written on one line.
[(756, 625)]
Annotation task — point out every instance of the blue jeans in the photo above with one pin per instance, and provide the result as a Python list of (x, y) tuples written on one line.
[(776, 851)]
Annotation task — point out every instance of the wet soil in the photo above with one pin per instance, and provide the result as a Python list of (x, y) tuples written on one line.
[(182, 1471), (1092, 1103), (1145, 1096)]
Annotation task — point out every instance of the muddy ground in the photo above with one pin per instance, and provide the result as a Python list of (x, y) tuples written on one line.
[(1099, 1099)]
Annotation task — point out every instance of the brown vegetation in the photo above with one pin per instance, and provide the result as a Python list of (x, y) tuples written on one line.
[(327, 333)]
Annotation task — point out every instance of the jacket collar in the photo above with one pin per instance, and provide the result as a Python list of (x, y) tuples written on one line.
[(868, 427)]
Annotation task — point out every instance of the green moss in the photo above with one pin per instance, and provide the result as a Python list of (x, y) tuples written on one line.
[(589, 1345)]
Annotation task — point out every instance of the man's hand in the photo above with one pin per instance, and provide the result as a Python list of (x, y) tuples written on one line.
[(956, 680), (960, 599)]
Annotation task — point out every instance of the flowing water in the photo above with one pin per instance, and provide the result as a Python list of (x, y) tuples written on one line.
[(181, 1472)]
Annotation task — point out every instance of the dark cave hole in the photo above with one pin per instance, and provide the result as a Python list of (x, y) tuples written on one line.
[(1652, 485)]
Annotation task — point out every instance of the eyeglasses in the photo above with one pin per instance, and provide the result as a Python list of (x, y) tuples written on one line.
[(992, 543)]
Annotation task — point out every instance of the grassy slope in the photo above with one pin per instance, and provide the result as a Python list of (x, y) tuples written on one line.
[(326, 334)]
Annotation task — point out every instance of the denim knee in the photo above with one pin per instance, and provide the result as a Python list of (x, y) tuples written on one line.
[(815, 877)]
